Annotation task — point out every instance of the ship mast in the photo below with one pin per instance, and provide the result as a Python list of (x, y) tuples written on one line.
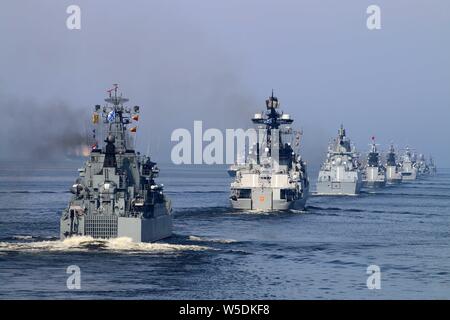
[(272, 121), (373, 157), (117, 117), (391, 159)]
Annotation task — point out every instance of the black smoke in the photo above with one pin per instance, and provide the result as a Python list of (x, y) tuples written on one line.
[(39, 131)]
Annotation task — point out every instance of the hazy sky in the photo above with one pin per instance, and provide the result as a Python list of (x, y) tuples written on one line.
[(217, 61)]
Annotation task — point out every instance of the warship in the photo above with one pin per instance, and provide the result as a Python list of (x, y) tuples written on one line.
[(374, 175), (393, 174), (422, 166), (408, 166), (273, 176), (432, 166), (340, 173), (115, 194)]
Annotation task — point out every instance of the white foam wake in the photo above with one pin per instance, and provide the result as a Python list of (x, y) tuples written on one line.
[(87, 243), (195, 238), (18, 237)]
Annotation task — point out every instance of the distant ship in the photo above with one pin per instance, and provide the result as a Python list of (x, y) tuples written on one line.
[(408, 166), (340, 173), (422, 167), (264, 181), (432, 166), (374, 173), (393, 174), (115, 194)]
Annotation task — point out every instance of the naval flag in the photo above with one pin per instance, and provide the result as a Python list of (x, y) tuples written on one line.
[(95, 118), (111, 116)]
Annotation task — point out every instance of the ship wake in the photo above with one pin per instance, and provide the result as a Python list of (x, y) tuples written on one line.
[(203, 239), (89, 244)]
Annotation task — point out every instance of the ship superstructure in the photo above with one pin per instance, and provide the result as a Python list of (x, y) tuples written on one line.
[(273, 176), (340, 173), (393, 173), (374, 175), (116, 194)]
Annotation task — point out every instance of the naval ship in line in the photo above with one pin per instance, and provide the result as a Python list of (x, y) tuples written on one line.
[(116, 194), (273, 176), (422, 166), (343, 174), (408, 165), (374, 175), (393, 173), (340, 174), (432, 166)]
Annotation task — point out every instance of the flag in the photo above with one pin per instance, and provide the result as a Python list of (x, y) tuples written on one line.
[(111, 116), (133, 129), (135, 117), (95, 118)]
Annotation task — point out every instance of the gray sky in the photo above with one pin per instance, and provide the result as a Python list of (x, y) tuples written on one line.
[(217, 61)]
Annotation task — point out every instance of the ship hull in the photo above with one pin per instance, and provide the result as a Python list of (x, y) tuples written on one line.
[(338, 188), (145, 230), (262, 199), (247, 204), (409, 172), (392, 175), (138, 229), (374, 178), (394, 181), (409, 176), (373, 184)]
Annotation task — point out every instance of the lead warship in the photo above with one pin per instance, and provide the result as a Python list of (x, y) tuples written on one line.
[(340, 173), (273, 176), (115, 194), (374, 175), (408, 166), (393, 174)]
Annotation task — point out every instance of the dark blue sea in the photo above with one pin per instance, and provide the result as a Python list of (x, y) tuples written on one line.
[(216, 253)]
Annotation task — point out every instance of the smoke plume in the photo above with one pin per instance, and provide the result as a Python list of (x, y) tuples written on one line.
[(40, 132)]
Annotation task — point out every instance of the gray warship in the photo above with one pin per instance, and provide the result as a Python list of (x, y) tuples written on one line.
[(273, 176), (393, 173), (432, 166), (422, 166), (374, 175), (408, 166), (115, 194), (340, 173)]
